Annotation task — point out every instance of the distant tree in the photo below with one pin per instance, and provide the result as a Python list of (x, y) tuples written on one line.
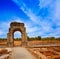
[(58, 38), (52, 38), (28, 37), (39, 37)]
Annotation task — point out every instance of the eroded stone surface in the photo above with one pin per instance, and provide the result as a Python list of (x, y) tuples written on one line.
[(16, 26)]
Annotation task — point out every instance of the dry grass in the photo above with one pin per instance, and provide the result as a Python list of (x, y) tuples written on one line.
[(44, 42), (18, 43)]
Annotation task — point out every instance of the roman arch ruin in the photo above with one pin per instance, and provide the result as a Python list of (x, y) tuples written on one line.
[(16, 26)]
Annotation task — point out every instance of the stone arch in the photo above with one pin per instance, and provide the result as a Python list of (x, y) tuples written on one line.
[(16, 26)]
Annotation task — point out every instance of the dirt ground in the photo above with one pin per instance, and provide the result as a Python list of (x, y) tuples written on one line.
[(46, 52), (16, 53), (18, 43)]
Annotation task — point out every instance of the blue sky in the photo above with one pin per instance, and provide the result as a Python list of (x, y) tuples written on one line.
[(41, 17)]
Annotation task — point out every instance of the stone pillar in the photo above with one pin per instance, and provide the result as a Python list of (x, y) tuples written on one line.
[(24, 39), (11, 40), (8, 39)]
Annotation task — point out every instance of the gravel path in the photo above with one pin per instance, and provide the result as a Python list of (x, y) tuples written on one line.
[(21, 53)]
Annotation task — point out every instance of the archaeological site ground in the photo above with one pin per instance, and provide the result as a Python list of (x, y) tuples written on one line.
[(28, 48)]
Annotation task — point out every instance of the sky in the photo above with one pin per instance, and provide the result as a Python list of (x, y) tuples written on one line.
[(41, 17)]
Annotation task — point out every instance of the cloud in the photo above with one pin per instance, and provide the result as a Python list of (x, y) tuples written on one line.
[(17, 19), (17, 34), (57, 10), (1, 32), (55, 33), (56, 13), (44, 3), (37, 24), (4, 26), (32, 29), (45, 24), (4, 29)]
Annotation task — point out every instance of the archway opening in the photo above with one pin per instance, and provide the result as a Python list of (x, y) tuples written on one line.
[(17, 38)]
